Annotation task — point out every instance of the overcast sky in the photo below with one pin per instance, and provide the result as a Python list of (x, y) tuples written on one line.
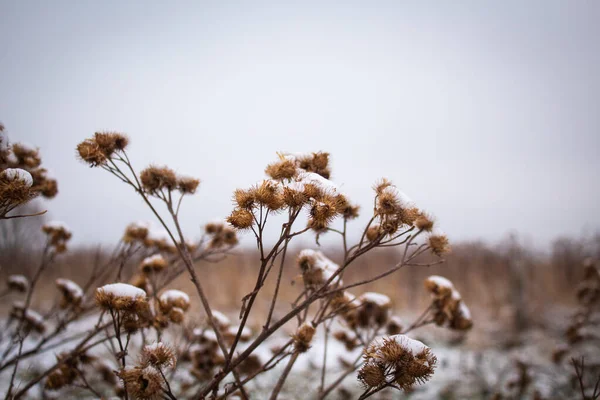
[(486, 113)]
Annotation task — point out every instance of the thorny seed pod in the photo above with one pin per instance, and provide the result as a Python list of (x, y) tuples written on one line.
[(374, 309), (58, 235), (156, 178), (174, 298), (294, 195), (72, 294), (27, 156), (158, 355), (269, 195), (282, 169), (90, 152), (153, 264), (405, 362), (121, 296), (187, 185), (303, 337), (241, 218), (439, 244), (142, 383), (136, 232), (424, 222), (244, 198), (109, 142)]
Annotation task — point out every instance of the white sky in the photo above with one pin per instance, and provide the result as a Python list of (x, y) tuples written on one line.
[(486, 113)]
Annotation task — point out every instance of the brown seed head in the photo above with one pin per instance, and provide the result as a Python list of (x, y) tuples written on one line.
[(424, 222), (158, 355), (241, 218), (157, 178), (142, 383), (280, 170), (269, 195), (90, 152), (303, 337), (439, 244), (244, 198), (109, 142), (372, 375), (187, 185)]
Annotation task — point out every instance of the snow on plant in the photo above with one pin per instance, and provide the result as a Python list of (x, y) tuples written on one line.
[(133, 310), (22, 178)]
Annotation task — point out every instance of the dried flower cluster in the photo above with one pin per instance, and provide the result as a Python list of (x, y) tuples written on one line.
[(72, 294), (448, 307), (146, 380), (58, 235), (99, 149), (128, 302), (297, 181), (22, 178), (397, 361), (146, 310), (172, 305), (220, 235)]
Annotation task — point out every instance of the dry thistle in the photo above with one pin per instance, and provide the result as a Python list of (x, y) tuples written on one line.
[(241, 218), (303, 337), (158, 355), (269, 195), (316, 268), (156, 178), (58, 235), (72, 294), (187, 185), (439, 244), (121, 297), (153, 264), (448, 306), (402, 361), (244, 198), (142, 383), (174, 298), (282, 169), (89, 151), (374, 309), (110, 142)]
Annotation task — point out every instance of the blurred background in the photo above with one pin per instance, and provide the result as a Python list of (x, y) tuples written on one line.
[(484, 113)]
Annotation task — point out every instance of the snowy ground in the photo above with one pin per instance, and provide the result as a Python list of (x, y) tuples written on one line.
[(463, 371)]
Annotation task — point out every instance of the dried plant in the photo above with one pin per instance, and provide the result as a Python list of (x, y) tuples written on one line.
[(22, 178), (147, 326)]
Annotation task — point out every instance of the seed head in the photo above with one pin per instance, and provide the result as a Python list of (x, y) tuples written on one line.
[(158, 355), (241, 218), (142, 383), (90, 152), (157, 178), (187, 185), (424, 222), (244, 198), (282, 169), (269, 194), (439, 244), (109, 142), (303, 337)]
